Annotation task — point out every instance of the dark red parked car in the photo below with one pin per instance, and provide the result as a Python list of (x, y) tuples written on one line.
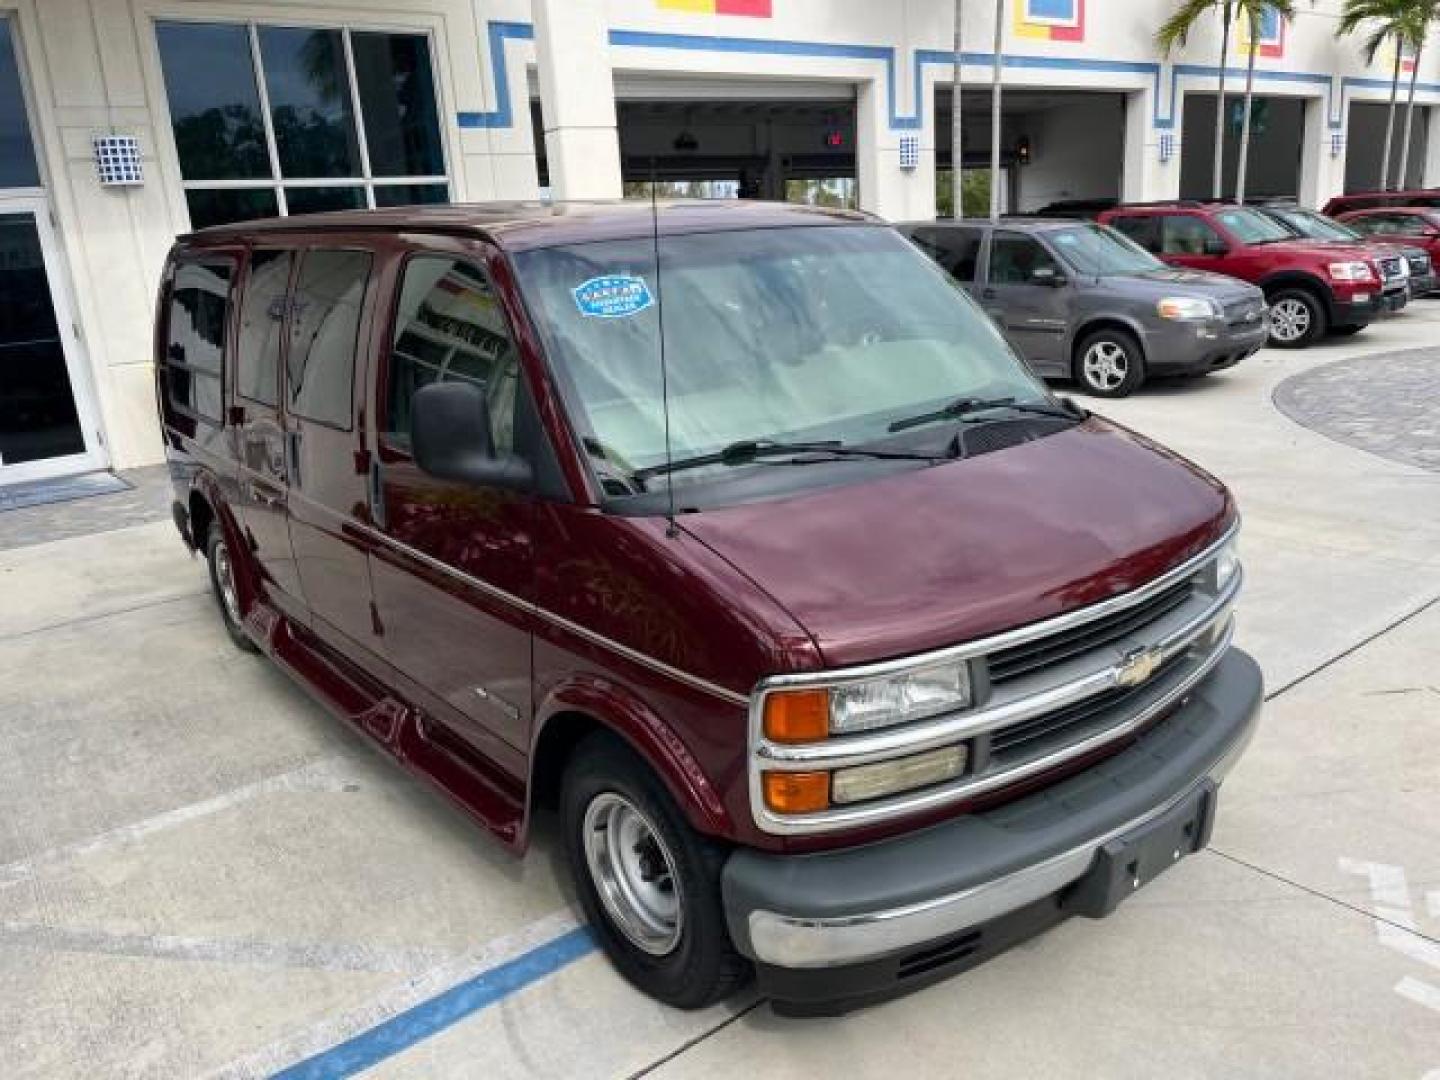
[(847, 653), (1409, 225), (1312, 288), (1370, 200)]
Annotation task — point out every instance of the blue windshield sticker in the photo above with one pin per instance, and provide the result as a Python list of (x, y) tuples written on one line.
[(613, 296)]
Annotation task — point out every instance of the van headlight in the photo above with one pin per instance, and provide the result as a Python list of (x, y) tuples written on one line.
[(1188, 307), (813, 714)]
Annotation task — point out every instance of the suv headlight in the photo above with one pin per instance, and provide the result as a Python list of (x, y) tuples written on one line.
[(1352, 271), (1188, 307), (814, 714)]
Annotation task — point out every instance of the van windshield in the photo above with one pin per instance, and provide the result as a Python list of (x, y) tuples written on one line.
[(808, 334), (1101, 251)]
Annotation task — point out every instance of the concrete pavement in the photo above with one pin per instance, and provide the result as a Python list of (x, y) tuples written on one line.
[(202, 873)]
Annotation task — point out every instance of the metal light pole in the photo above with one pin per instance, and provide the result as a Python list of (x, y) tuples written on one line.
[(957, 133), (995, 112)]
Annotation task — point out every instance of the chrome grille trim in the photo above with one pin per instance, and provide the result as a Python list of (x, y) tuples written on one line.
[(1186, 653)]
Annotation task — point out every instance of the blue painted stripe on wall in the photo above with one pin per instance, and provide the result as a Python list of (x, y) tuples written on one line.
[(442, 1011), (503, 114)]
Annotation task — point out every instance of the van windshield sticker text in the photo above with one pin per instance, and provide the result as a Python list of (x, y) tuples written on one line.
[(612, 296)]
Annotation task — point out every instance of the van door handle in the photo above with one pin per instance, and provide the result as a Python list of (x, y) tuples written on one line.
[(990, 294), (377, 494)]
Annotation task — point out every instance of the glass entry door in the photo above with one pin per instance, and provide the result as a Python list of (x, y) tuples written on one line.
[(45, 424)]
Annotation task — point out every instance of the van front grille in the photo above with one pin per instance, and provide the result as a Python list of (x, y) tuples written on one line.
[(1034, 737), (1037, 655)]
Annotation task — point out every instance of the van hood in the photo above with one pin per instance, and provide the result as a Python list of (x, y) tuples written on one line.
[(1201, 282), (924, 559)]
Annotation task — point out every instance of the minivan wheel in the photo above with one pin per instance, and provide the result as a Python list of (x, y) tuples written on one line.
[(227, 590), (1297, 319), (1109, 364), (649, 884)]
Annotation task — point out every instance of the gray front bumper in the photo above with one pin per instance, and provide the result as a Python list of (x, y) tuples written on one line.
[(846, 907), (1180, 348)]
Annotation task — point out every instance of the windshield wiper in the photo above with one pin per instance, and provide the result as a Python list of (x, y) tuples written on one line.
[(963, 409), (748, 451)]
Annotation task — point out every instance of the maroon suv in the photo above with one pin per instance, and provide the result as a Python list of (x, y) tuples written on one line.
[(1371, 200), (847, 653), (1312, 288)]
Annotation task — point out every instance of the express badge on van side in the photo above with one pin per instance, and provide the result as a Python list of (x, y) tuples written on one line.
[(612, 296)]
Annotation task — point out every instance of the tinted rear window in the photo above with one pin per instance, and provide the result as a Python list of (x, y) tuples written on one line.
[(956, 249), (195, 344), (1144, 230)]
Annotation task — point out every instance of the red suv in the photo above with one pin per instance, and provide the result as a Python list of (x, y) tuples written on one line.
[(1412, 225), (1312, 287), (1370, 200), (846, 652)]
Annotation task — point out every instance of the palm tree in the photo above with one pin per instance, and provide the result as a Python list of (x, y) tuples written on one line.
[(1424, 13), (957, 135), (1383, 20), (1175, 32)]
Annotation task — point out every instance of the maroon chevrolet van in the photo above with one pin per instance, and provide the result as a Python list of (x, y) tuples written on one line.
[(848, 655)]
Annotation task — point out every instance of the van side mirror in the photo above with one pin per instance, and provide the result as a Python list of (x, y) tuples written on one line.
[(1047, 276), (1216, 246), (450, 434)]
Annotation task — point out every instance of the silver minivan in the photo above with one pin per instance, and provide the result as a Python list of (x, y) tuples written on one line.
[(1080, 300)]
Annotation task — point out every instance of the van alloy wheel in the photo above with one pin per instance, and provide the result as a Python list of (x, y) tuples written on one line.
[(634, 874), (1106, 366), (1290, 320)]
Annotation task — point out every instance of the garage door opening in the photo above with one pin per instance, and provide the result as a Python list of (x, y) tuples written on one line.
[(1057, 146), (799, 151), (1277, 140), (1365, 147)]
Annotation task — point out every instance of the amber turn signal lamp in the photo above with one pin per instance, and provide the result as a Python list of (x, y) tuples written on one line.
[(797, 792), (797, 716)]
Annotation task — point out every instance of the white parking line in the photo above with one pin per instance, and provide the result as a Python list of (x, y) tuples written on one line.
[(323, 774), (1422, 993), (332, 1031), (314, 956)]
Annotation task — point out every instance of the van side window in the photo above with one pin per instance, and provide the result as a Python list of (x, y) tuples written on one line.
[(262, 316), (449, 325), (1014, 259), (324, 326), (957, 250), (195, 345)]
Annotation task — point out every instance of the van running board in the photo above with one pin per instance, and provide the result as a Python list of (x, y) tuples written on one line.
[(399, 728)]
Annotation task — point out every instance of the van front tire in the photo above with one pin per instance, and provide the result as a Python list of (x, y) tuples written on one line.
[(648, 882), (1109, 364), (224, 583)]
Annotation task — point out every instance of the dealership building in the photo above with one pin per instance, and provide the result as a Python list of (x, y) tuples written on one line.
[(126, 122)]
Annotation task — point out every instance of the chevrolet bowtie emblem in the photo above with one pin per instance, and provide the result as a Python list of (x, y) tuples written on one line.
[(1137, 667)]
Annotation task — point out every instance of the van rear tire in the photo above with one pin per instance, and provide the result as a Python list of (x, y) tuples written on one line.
[(225, 584), (648, 882)]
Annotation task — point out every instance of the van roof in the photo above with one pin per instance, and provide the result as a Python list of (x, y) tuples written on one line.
[(519, 226)]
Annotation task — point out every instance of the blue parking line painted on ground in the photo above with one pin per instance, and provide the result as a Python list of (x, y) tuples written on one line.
[(440, 1012)]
